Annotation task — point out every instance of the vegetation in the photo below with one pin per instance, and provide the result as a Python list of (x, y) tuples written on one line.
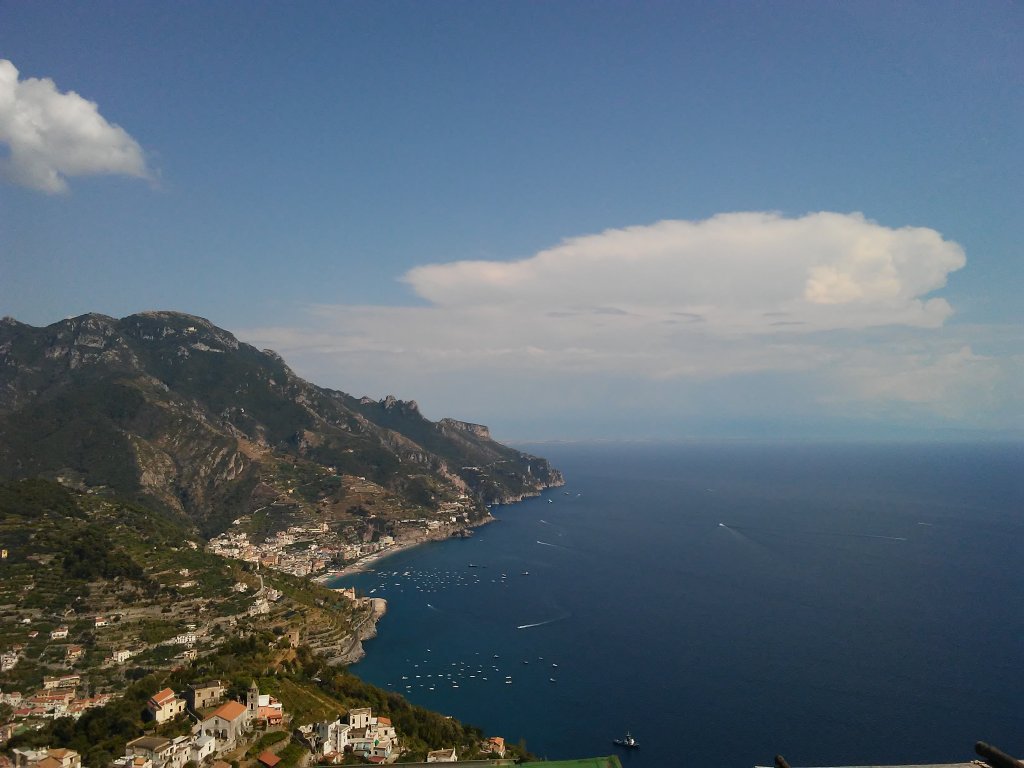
[(169, 411), (307, 686)]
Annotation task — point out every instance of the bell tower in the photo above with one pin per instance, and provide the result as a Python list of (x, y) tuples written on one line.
[(252, 702)]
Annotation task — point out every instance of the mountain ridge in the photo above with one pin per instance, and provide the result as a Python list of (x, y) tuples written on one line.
[(171, 409)]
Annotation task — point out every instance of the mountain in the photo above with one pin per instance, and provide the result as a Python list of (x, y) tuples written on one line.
[(170, 410)]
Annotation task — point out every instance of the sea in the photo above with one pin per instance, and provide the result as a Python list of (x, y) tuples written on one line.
[(724, 602)]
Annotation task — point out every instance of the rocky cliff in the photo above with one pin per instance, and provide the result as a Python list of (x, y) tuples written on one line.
[(169, 408)]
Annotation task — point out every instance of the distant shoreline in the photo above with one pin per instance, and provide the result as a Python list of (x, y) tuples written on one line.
[(364, 564)]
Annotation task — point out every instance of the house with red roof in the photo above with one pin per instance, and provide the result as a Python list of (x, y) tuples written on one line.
[(165, 705)]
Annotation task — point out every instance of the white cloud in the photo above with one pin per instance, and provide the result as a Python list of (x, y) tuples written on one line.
[(674, 306), (52, 135), (746, 272)]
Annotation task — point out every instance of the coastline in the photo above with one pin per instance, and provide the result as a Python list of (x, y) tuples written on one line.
[(364, 564), (368, 629)]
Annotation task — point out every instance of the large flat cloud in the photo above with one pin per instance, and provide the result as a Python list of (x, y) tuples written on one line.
[(52, 135), (734, 272), (834, 307)]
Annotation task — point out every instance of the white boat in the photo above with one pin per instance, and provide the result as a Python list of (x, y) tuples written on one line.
[(626, 741)]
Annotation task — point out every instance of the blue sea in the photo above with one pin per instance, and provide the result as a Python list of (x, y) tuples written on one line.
[(838, 604)]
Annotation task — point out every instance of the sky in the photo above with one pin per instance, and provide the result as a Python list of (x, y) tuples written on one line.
[(566, 220)]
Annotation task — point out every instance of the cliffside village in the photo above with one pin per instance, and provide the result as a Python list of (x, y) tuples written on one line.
[(307, 550), (223, 730)]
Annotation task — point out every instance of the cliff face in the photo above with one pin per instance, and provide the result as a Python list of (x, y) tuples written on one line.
[(173, 409), (464, 426)]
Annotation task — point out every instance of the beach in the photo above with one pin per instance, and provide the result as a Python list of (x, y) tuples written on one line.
[(367, 563)]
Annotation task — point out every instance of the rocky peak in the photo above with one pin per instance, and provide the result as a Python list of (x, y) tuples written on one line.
[(86, 340), (190, 331), (464, 426), (407, 406)]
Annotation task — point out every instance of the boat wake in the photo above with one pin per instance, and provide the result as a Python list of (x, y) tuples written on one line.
[(543, 623), (549, 544)]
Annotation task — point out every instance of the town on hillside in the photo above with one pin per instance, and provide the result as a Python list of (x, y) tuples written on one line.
[(256, 731)]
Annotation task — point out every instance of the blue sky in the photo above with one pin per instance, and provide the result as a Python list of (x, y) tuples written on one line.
[(565, 220)]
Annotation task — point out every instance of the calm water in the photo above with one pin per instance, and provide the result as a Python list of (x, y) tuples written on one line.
[(861, 604)]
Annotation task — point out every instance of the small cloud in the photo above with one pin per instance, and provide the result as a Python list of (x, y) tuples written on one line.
[(52, 135)]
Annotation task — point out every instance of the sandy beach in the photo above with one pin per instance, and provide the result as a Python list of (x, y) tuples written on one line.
[(367, 563)]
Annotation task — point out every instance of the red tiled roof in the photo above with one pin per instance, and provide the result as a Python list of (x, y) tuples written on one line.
[(232, 710), (384, 721), (163, 697), (269, 759)]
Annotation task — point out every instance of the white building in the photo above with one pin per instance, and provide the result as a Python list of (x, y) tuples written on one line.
[(202, 747), (332, 736), (442, 756)]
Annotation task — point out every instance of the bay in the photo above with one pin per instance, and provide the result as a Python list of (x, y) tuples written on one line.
[(724, 602)]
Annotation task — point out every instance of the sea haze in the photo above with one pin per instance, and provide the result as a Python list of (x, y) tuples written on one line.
[(837, 604)]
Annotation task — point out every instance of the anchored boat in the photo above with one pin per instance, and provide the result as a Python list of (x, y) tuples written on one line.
[(627, 741)]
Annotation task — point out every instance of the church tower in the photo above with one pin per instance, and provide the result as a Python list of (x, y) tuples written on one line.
[(252, 702)]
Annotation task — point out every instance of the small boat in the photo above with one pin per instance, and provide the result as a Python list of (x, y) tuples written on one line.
[(526, 573), (626, 741)]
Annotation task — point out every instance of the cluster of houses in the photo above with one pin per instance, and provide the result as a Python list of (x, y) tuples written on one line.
[(57, 698), (215, 730), (221, 726), (360, 733), (300, 551), (47, 758)]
